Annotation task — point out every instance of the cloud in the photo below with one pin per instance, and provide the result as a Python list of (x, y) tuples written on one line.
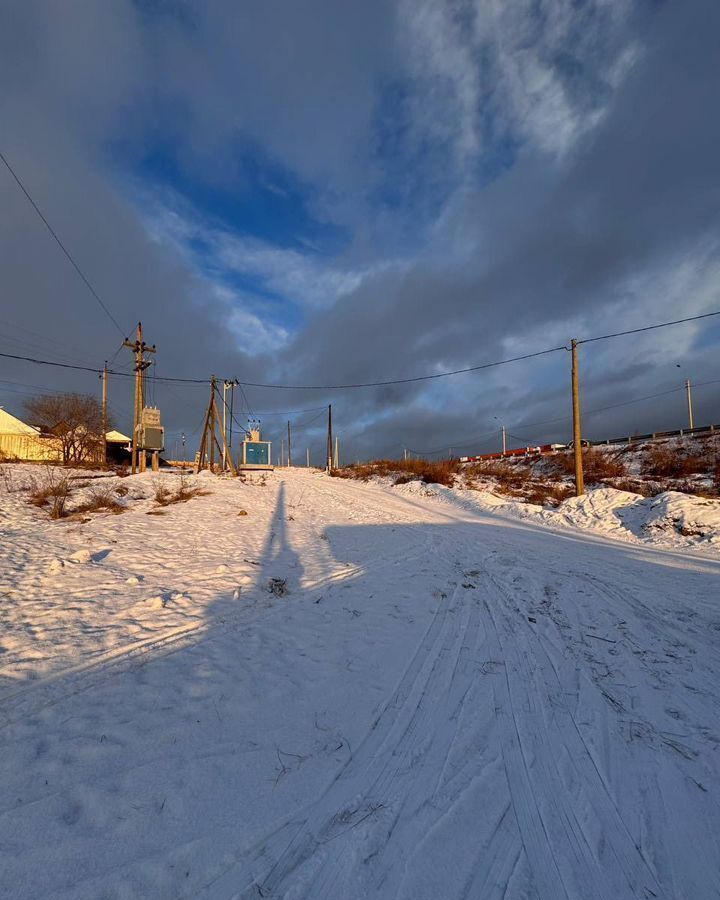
[(496, 177)]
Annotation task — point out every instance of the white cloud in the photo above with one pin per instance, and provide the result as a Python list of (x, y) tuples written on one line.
[(490, 68)]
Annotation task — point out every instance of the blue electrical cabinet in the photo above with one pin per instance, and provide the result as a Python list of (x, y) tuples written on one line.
[(255, 455)]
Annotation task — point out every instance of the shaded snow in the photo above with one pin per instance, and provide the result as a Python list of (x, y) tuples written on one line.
[(454, 697)]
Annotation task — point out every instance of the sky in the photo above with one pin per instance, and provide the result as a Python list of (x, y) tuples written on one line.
[(327, 193)]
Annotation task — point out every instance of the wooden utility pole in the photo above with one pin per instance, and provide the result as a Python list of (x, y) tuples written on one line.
[(209, 441), (329, 440), (139, 348), (577, 430), (689, 402), (289, 447), (104, 413)]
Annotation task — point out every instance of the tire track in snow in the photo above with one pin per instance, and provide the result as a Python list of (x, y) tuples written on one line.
[(537, 740), (273, 859)]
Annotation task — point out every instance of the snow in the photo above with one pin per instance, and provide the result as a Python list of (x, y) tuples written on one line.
[(670, 519), (452, 696)]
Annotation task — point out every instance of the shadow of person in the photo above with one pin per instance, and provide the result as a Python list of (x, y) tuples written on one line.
[(280, 568)]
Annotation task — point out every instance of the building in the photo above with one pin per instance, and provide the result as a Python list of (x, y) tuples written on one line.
[(20, 442)]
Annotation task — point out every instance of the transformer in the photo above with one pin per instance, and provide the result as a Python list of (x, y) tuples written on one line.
[(151, 434)]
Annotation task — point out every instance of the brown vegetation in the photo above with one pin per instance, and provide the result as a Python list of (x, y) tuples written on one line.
[(663, 461), (597, 465), (404, 471), (183, 492), (100, 499), (53, 493)]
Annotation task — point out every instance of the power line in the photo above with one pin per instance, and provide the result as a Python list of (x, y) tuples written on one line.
[(47, 362), (365, 384), (332, 387), (604, 337), (60, 244)]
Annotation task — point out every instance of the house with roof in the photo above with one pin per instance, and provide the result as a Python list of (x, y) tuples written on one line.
[(29, 443), (20, 441)]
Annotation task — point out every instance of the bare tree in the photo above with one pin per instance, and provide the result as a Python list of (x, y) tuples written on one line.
[(75, 419)]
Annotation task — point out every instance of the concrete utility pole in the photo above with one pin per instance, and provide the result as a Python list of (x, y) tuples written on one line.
[(405, 454), (329, 440), (282, 451), (337, 453), (227, 384), (212, 422), (307, 452), (577, 430), (289, 447), (139, 348), (104, 413), (689, 402)]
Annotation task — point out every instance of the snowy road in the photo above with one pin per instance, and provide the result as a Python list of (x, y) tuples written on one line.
[(446, 704)]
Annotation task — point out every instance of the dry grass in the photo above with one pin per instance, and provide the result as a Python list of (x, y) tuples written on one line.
[(100, 500), (663, 461), (543, 494), (507, 474), (183, 492), (597, 465), (404, 471), (52, 493)]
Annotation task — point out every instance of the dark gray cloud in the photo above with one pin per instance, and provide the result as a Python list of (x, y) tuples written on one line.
[(557, 173)]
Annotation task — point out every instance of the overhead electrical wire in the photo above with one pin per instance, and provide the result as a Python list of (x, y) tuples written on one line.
[(367, 384), (61, 245)]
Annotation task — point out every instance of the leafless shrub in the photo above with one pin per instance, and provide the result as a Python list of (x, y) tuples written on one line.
[(404, 470), (162, 493), (674, 463), (504, 472), (100, 499), (638, 486), (183, 492), (597, 465), (76, 421), (8, 481), (543, 494), (52, 493)]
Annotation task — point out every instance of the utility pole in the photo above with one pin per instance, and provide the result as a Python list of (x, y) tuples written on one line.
[(577, 431), (282, 451), (329, 440), (405, 454), (337, 453), (307, 452), (224, 422), (104, 413), (227, 444), (139, 348), (503, 440), (213, 422), (289, 447), (209, 434), (689, 402)]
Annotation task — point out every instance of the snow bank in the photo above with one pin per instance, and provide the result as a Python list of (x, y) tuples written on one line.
[(670, 519)]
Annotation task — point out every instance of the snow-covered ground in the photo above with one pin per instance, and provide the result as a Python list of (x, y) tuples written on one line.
[(444, 697)]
